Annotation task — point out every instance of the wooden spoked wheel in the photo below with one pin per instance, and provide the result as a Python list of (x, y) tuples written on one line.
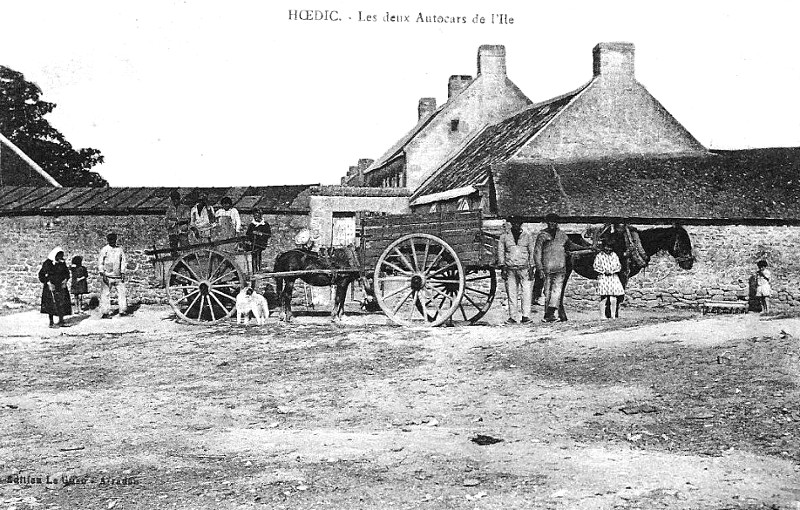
[(480, 286), (203, 285), (419, 281)]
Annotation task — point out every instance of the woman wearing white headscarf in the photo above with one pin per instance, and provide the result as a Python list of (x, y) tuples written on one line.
[(54, 276)]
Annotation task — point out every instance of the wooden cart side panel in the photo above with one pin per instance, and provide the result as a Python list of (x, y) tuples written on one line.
[(460, 229), (417, 218)]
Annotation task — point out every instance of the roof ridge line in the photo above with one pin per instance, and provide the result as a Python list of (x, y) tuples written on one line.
[(578, 92), (453, 155), (49, 178), (419, 126)]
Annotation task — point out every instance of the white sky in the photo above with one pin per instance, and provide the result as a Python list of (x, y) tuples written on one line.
[(234, 93)]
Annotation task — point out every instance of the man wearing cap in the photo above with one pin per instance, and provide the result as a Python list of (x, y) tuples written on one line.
[(515, 256), (550, 257), (112, 264)]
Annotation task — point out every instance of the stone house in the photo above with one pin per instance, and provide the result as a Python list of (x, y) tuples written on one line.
[(609, 151), (739, 207), (611, 116), (471, 105)]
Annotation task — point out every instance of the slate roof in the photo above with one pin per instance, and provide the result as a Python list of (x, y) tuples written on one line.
[(494, 144), (26, 200), (757, 184)]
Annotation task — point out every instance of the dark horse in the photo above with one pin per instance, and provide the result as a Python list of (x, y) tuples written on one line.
[(305, 260), (674, 240)]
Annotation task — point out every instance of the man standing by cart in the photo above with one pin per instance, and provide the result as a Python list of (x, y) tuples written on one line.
[(550, 256), (177, 222), (515, 255)]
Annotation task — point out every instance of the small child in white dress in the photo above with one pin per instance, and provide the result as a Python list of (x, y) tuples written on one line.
[(609, 286), (763, 287)]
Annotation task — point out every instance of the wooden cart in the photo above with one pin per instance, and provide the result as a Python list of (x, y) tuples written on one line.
[(430, 268), (426, 269)]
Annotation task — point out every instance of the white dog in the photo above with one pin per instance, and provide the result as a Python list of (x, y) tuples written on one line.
[(248, 301)]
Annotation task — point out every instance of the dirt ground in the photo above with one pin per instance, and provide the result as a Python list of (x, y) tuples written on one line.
[(660, 409)]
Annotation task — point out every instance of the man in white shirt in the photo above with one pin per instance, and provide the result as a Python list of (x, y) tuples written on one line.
[(202, 218), (111, 265), (515, 257)]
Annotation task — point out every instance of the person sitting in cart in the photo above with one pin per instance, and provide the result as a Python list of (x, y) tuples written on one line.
[(258, 234), (202, 219), (177, 222), (515, 256), (230, 224)]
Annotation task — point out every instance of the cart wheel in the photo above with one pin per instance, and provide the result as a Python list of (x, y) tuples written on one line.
[(419, 280), (480, 286), (203, 285)]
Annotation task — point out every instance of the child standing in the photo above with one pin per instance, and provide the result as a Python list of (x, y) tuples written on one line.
[(763, 288), (258, 235), (79, 283), (228, 219), (609, 286)]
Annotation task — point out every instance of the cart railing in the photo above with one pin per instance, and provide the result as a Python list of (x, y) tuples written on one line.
[(209, 244)]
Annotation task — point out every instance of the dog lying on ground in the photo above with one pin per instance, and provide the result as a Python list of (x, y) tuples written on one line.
[(248, 302)]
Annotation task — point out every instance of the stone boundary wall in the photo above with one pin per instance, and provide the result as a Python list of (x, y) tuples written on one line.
[(726, 259), (25, 242)]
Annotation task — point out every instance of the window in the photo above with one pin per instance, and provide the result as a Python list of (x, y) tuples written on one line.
[(454, 125)]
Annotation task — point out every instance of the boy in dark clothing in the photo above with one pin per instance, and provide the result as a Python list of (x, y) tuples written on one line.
[(258, 234)]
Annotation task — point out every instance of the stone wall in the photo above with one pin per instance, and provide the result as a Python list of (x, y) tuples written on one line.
[(26, 241), (726, 259)]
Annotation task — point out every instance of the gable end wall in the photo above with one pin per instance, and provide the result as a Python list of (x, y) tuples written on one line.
[(484, 102), (611, 119)]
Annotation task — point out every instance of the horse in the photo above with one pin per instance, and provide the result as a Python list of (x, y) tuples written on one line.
[(306, 260), (674, 240)]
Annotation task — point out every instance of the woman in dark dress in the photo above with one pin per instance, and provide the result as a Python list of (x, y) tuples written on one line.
[(54, 276)]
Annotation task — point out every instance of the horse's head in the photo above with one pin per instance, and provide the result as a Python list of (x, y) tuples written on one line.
[(681, 248)]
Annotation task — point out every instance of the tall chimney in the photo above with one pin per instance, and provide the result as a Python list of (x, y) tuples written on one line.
[(492, 60), (364, 163), (614, 59), (427, 105), (457, 83)]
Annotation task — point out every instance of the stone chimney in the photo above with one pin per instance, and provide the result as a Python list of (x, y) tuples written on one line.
[(614, 59), (457, 83), (492, 60), (363, 164), (427, 105)]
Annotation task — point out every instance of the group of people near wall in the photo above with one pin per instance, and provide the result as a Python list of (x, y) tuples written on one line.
[(535, 267), (534, 270), (56, 278), (203, 224)]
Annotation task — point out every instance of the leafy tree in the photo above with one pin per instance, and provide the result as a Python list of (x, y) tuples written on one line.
[(22, 121)]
